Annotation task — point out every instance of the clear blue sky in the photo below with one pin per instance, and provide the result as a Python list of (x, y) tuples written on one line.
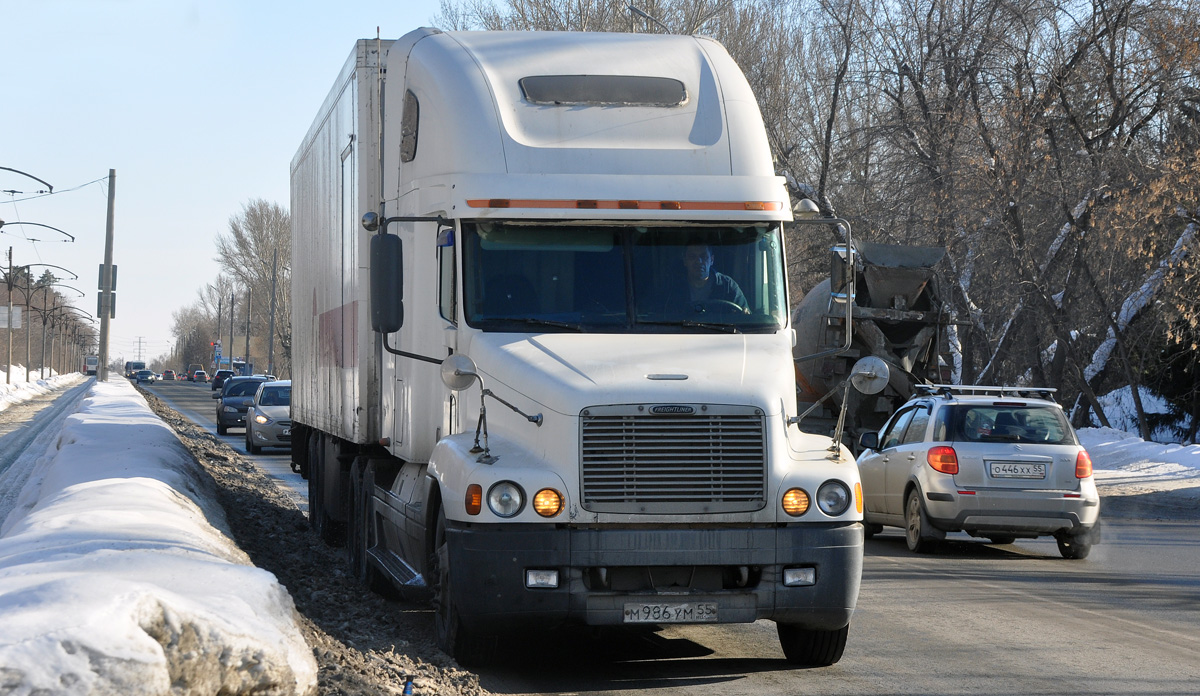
[(198, 105)]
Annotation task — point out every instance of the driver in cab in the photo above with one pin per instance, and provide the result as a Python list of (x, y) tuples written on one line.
[(707, 287)]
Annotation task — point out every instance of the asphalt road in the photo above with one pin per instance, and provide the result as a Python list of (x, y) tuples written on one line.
[(194, 400), (969, 619)]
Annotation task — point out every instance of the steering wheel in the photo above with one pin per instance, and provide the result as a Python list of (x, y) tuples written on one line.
[(720, 307)]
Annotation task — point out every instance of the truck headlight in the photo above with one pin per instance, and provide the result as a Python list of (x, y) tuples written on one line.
[(833, 497), (505, 499)]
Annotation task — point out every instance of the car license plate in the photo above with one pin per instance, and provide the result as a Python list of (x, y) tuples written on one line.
[(1022, 470), (287, 431), (671, 612)]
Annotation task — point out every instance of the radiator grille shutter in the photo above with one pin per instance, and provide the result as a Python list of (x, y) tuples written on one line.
[(710, 460)]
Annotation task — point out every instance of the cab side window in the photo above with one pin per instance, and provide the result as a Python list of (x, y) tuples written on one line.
[(894, 433)]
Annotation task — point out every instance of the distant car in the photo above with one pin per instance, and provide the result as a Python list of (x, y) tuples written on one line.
[(995, 462), (199, 376), (144, 377), (168, 375), (234, 399), (269, 419), (219, 378)]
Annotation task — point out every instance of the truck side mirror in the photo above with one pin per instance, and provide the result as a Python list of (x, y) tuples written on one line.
[(869, 441), (387, 283)]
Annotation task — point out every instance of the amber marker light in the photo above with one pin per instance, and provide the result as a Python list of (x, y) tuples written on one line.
[(474, 499), (858, 498), (1083, 464), (548, 502), (795, 502), (943, 459)]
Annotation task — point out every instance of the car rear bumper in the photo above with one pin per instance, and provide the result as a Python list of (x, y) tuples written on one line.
[(1010, 511)]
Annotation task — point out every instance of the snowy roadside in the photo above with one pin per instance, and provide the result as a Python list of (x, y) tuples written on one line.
[(16, 389), (1145, 480), (118, 573)]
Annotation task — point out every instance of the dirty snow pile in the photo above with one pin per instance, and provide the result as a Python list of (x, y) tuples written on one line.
[(118, 574), (15, 389)]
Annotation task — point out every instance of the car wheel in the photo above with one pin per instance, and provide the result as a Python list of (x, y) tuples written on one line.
[(1001, 539), (870, 529), (222, 429), (915, 524), (454, 637), (250, 446), (812, 648), (1072, 547)]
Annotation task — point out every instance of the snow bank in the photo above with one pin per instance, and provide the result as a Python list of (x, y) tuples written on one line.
[(18, 390), (118, 574), (1122, 459)]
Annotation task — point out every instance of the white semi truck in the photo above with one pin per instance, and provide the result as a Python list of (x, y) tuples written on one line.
[(542, 362)]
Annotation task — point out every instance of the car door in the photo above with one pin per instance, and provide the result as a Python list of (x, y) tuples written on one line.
[(872, 464), (908, 454)]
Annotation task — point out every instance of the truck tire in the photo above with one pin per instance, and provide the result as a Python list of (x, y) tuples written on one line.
[(805, 647), (318, 517), (454, 637), (360, 534)]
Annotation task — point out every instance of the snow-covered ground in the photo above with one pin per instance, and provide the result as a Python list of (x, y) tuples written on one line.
[(118, 574), (18, 389)]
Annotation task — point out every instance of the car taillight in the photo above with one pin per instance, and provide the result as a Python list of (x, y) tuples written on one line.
[(943, 459), (1083, 465)]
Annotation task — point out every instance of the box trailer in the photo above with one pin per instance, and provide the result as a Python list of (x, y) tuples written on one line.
[(542, 366)]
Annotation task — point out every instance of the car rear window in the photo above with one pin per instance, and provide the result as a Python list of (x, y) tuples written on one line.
[(994, 423), (243, 389)]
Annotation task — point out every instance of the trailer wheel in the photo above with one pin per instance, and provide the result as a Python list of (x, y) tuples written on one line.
[(811, 647), (318, 517), (453, 636)]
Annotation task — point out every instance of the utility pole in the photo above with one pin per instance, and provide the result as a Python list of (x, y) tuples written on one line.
[(9, 319), (232, 297), (106, 278), (220, 304), (249, 308), (271, 326)]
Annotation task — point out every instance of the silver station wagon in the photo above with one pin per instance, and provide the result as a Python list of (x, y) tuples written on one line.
[(1000, 463)]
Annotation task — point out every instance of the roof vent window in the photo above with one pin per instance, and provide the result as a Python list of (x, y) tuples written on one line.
[(624, 90)]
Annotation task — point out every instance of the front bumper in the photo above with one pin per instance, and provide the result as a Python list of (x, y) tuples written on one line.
[(740, 570), (231, 420), (274, 434)]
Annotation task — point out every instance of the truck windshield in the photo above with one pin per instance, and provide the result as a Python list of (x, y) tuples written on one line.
[(614, 279)]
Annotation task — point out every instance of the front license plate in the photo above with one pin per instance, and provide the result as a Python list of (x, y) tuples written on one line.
[(1017, 470), (671, 612)]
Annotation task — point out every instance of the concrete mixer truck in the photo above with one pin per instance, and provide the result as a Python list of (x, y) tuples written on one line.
[(897, 315)]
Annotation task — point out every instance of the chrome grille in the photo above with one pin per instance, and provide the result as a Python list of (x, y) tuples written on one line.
[(710, 460)]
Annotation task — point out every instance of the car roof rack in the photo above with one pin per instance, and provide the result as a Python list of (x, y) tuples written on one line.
[(948, 390)]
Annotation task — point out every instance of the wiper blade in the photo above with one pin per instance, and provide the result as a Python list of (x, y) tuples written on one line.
[(725, 328), (537, 321)]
